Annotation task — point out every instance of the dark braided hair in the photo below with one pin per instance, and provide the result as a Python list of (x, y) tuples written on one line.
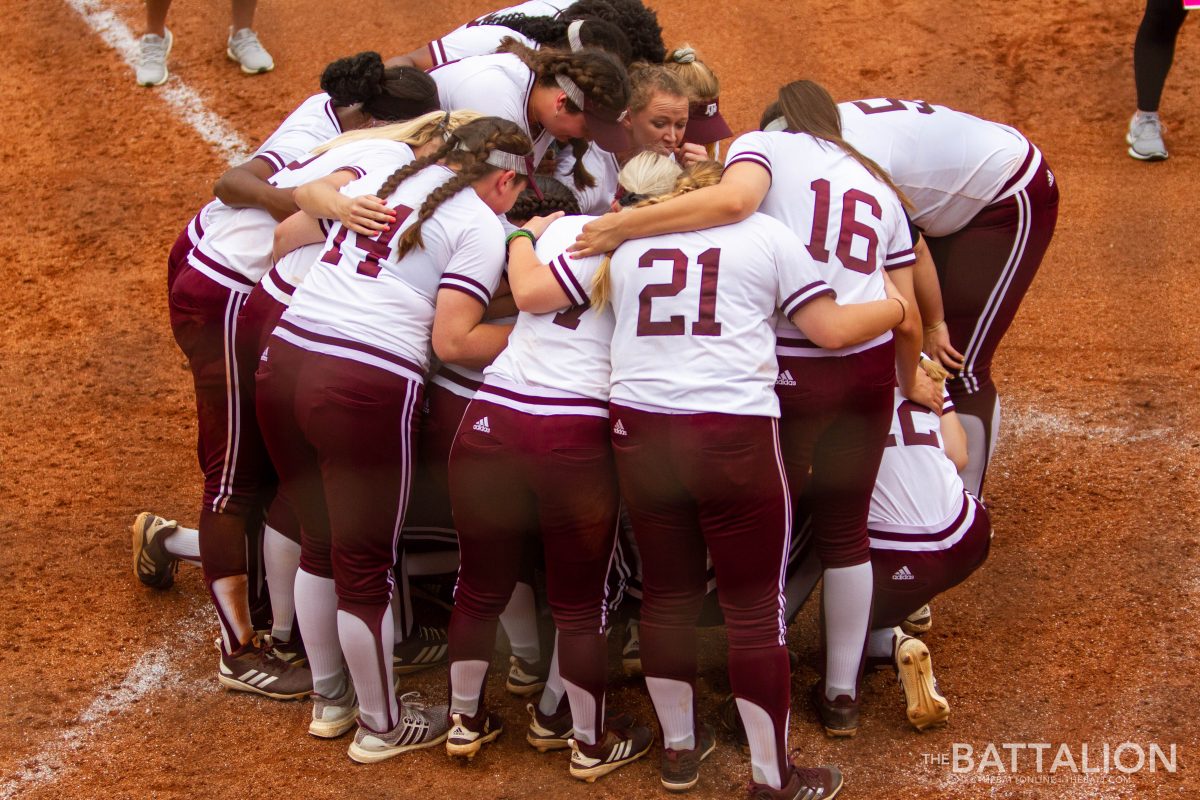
[(556, 196), (466, 150), (638, 23), (391, 93), (579, 174), (552, 32)]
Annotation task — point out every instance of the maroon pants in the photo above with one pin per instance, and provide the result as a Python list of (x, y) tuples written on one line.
[(834, 425), (178, 255), (715, 481), (905, 580), (341, 436), (511, 474), (984, 271)]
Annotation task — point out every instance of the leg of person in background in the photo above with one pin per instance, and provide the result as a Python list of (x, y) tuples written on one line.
[(527, 671), (155, 45), (1153, 54), (244, 47)]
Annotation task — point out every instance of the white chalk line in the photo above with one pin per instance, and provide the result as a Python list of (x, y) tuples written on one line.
[(183, 100), (1025, 422), (151, 673)]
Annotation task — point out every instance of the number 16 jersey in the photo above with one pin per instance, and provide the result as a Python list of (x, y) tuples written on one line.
[(695, 315)]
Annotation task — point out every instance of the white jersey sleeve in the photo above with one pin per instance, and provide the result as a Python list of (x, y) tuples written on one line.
[(602, 165), (312, 123), (476, 40)]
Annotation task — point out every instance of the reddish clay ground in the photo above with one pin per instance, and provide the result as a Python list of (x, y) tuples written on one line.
[(1080, 629)]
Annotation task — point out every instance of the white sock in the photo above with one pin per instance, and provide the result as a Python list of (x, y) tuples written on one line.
[(316, 608), (466, 679), (583, 713), (230, 594), (880, 644), (402, 617), (553, 693), (847, 598), (369, 655), (444, 562), (1144, 115), (979, 449), (183, 543), (673, 704), (520, 624), (281, 558), (760, 732)]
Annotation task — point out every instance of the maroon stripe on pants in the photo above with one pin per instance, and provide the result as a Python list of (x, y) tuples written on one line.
[(932, 571), (430, 506), (341, 436), (835, 421), (513, 474)]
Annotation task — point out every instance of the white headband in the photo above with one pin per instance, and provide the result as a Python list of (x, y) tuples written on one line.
[(522, 165), (573, 36), (777, 124), (573, 92)]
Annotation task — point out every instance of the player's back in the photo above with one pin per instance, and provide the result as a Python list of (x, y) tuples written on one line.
[(949, 164)]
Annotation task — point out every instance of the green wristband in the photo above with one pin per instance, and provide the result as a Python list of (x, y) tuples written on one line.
[(518, 233)]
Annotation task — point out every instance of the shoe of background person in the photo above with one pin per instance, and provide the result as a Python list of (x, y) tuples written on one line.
[(152, 58), (419, 727), (631, 652), (255, 668), (525, 678), (731, 721), (839, 716), (468, 735), (619, 746), (919, 621), (331, 717), (152, 564), (926, 707), (1145, 138), (426, 647), (245, 49), (292, 652), (549, 732), (680, 769), (820, 783)]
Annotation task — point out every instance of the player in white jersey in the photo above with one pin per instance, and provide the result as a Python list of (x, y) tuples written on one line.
[(479, 40), (635, 20), (836, 404), (987, 203), (695, 434), (338, 391)]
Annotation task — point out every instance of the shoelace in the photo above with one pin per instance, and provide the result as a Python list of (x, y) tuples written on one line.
[(154, 49), (430, 634), (412, 700)]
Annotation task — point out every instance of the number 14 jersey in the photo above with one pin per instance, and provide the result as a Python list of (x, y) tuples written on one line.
[(695, 316)]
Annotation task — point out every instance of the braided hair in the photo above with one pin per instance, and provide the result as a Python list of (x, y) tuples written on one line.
[(552, 32), (555, 197), (466, 151), (387, 93), (638, 23)]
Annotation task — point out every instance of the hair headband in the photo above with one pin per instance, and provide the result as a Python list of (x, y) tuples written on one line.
[(777, 124), (522, 165), (573, 38), (576, 96)]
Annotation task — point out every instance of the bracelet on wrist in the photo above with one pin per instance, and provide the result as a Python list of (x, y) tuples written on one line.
[(520, 233), (903, 310)]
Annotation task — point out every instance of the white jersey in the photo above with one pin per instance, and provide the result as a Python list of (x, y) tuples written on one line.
[(497, 86), (853, 223), (557, 363), (695, 316), (289, 272), (312, 123), (918, 492), (950, 164), (236, 250), (603, 166), (361, 303), (474, 40)]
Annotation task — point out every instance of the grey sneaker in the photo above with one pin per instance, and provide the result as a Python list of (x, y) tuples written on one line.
[(152, 59), (1145, 138), (152, 564), (333, 717), (245, 49), (419, 727)]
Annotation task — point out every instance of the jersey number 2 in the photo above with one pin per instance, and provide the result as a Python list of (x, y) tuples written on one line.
[(908, 429), (706, 323)]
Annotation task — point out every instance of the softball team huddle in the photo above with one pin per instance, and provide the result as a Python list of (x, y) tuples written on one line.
[(409, 362)]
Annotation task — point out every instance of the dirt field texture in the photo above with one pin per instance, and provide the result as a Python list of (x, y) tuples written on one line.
[(1080, 629)]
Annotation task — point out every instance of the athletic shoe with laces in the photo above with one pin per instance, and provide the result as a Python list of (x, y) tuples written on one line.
[(331, 717), (419, 727), (619, 746), (426, 647), (525, 678), (731, 721), (254, 667), (839, 715), (291, 651), (926, 707), (152, 564), (820, 783), (1145, 138), (245, 49), (631, 651), (468, 735), (551, 732), (680, 769), (919, 621), (152, 58)]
